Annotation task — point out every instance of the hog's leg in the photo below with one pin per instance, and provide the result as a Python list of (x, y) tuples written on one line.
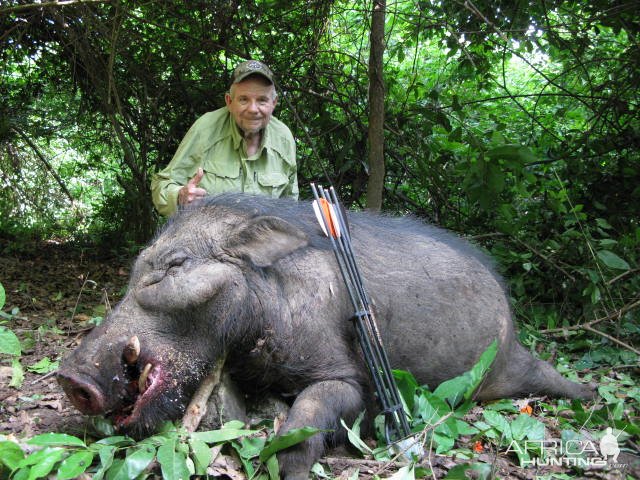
[(320, 405)]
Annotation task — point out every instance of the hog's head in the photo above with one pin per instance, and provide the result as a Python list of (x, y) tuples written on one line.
[(190, 295)]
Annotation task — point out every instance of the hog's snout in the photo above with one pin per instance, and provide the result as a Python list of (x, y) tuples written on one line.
[(84, 394)]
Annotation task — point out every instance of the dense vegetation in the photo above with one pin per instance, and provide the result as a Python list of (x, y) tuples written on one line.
[(514, 123)]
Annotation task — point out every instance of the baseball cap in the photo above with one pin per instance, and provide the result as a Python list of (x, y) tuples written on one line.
[(251, 67)]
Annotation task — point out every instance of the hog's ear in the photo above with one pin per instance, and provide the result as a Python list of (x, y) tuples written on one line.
[(265, 240)]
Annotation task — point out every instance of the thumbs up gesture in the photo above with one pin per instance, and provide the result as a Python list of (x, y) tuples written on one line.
[(191, 191)]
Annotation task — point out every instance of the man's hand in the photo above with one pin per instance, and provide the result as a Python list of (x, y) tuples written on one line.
[(191, 191)]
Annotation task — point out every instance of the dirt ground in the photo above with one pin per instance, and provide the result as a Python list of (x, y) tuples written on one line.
[(59, 290)]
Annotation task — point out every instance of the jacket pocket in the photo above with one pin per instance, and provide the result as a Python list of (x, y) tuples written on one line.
[(222, 177), (272, 179)]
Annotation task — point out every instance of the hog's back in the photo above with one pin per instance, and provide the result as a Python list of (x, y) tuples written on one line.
[(437, 300)]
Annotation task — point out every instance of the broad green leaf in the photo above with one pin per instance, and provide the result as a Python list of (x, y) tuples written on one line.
[(9, 343), (173, 462), (106, 454), (56, 440), (45, 365), (353, 434), (17, 374), (521, 426), (132, 466), (75, 464), (292, 437), (115, 441), (42, 462), (407, 386), (3, 296), (249, 447), (10, 454), (445, 435), (516, 153), (201, 453), (612, 260), (273, 468), (481, 471), (115, 471), (405, 473), (463, 386), (498, 422), (222, 435), (452, 390), (480, 369)]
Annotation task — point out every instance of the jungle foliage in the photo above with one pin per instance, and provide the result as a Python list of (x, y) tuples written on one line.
[(514, 123)]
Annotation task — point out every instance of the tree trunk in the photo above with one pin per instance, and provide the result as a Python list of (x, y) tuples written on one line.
[(375, 185)]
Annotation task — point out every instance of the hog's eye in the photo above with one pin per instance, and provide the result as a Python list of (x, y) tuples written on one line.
[(175, 263)]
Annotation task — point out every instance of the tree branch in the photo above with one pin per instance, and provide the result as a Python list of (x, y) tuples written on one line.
[(61, 3), (46, 163)]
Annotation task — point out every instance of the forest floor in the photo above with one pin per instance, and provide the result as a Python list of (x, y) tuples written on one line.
[(56, 292)]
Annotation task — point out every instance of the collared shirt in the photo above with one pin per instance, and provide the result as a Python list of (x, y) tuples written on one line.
[(215, 143)]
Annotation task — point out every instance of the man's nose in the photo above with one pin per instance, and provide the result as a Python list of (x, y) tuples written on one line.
[(252, 106)]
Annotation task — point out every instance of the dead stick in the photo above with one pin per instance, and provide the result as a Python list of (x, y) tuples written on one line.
[(613, 339), (581, 326), (198, 405)]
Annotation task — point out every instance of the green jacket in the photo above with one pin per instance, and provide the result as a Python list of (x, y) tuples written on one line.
[(214, 143)]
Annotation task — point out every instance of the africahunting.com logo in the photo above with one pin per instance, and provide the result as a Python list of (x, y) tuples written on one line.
[(569, 453)]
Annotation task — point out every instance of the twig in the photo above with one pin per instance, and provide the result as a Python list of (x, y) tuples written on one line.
[(198, 405), (613, 339), (75, 307), (44, 377), (611, 316), (59, 3)]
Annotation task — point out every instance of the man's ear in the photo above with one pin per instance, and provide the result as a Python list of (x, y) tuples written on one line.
[(265, 240), (227, 99)]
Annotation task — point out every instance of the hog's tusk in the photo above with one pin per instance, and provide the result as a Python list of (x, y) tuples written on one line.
[(142, 381), (131, 350)]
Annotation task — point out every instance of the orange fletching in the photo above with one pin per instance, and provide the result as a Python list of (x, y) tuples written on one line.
[(328, 216)]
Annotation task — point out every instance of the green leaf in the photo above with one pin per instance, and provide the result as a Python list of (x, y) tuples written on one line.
[(115, 441), (17, 374), (480, 369), (222, 435), (612, 260), (481, 471), (56, 440), (353, 434), (516, 153), (201, 454), (10, 454), (75, 465), (292, 437), (42, 462), (499, 423), (405, 473), (138, 461), (43, 366), (463, 386), (250, 447), (3, 297), (173, 462), (9, 343), (106, 454), (407, 386), (273, 468)]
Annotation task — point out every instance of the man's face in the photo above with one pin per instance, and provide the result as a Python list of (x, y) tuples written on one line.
[(251, 103)]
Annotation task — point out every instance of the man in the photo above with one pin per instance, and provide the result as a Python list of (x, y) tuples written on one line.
[(238, 148)]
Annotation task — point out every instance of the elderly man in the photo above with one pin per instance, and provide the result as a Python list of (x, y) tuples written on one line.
[(238, 148)]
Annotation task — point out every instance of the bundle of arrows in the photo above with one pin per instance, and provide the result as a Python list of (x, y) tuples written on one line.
[(333, 222)]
